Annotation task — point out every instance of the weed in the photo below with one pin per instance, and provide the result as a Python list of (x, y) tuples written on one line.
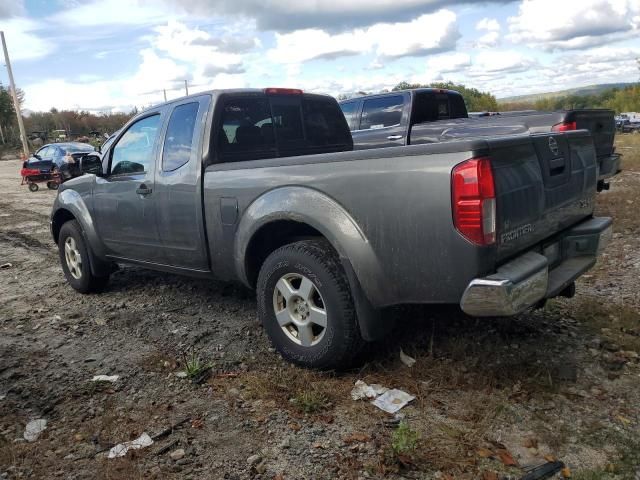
[(193, 365), (404, 440), (311, 401)]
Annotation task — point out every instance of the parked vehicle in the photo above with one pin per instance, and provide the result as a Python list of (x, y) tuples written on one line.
[(58, 158), (428, 115), (261, 187)]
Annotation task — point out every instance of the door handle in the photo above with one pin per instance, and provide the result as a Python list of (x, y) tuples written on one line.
[(394, 137), (143, 190)]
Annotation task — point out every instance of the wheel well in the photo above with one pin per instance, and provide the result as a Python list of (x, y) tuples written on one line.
[(61, 217), (271, 237)]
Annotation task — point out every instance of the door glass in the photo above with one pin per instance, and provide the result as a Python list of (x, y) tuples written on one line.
[(44, 153), (178, 141), (349, 110), (134, 151), (381, 112)]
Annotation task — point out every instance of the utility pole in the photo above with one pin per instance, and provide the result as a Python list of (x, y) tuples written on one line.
[(23, 136), (186, 88)]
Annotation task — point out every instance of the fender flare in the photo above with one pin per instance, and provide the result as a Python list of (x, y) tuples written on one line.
[(72, 202), (324, 214)]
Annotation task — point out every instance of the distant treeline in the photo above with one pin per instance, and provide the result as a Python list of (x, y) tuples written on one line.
[(75, 123), (621, 100)]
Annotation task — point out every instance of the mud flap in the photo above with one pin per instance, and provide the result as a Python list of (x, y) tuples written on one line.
[(372, 326)]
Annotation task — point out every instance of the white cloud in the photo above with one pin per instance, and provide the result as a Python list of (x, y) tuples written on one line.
[(551, 24), (115, 12), (448, 63), (10, 8), (330, 15), (488, 64), (426, 34), (489, 24), (23, 40)]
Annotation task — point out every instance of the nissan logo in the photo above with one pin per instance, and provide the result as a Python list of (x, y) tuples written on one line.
[(553, 146)]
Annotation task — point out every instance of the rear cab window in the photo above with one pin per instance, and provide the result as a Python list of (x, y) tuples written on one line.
[(431, 106), (256, 127)]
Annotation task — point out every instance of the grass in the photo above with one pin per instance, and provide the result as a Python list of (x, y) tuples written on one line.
[(404, 440), (311, 401), (193, 365), (622, 321)]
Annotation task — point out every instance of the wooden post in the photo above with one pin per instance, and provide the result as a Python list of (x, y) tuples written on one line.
[(16, 104)]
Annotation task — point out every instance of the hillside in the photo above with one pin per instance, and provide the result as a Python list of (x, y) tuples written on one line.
[(581, 91)]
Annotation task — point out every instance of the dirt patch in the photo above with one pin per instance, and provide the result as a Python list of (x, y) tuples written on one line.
[(492, 396)]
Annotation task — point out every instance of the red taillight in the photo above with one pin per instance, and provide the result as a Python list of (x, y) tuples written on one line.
[(474, 200), (282, 91), (564, 127)]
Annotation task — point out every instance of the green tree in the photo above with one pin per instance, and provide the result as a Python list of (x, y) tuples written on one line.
[(476, 100)]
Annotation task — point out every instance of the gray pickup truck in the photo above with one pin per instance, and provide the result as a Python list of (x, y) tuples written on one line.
[(429, 115), (261, 187)]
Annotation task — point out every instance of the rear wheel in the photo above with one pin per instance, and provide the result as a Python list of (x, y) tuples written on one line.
[(52, 185), (305, 305), (33, 187), (74, 258)]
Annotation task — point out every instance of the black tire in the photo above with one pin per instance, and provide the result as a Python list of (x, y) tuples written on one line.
[(87, 281), (317, 261), (52, 185), (33, 187)]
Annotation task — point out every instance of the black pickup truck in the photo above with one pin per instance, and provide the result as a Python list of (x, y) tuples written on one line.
[(429, 115)]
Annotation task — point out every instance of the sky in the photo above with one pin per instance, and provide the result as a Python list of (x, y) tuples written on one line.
[(112, 55)]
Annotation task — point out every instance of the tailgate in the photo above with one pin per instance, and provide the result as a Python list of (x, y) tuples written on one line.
[(544, 184), (601, 124)]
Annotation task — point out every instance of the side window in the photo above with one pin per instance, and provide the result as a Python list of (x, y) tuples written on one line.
[(178, 141), (381, 112), (349, 111), (247, 130), (134, 151)]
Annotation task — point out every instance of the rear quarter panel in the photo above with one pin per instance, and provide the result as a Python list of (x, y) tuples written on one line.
[(399, 200)]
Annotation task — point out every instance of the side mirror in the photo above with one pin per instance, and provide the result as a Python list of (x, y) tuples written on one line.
[(99, 149), (36, 156), (91, 163)]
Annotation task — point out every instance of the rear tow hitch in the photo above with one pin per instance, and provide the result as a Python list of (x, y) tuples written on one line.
[(602, 185)]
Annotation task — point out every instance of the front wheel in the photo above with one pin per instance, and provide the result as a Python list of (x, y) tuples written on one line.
[(305, 305), (52, 185), (33, 187), (74, 257)]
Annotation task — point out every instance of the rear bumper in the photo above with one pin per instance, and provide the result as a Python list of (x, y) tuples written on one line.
[(609, 166), (536, 275)]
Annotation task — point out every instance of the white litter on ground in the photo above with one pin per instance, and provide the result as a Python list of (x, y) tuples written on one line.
[(34, 428), (361, 390), (406, 359), (181, 374), (105, 378), (393, 400), (121, 449)]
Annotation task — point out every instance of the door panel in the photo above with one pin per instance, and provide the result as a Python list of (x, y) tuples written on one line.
[(381, 123), (124, 205), (178, 187)]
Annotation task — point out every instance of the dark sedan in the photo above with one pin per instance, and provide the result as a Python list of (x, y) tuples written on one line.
[(62, 157)]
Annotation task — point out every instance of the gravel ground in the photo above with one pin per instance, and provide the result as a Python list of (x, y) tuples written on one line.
[(493, 397)]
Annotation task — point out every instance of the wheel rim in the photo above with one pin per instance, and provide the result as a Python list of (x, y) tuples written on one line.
[(73, 258), (300, 310)]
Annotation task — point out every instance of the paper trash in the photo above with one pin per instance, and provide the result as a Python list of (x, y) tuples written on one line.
[(121, 449), (362, 390), (406, 359), (34, 428), (105, 378), (393, 400)]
